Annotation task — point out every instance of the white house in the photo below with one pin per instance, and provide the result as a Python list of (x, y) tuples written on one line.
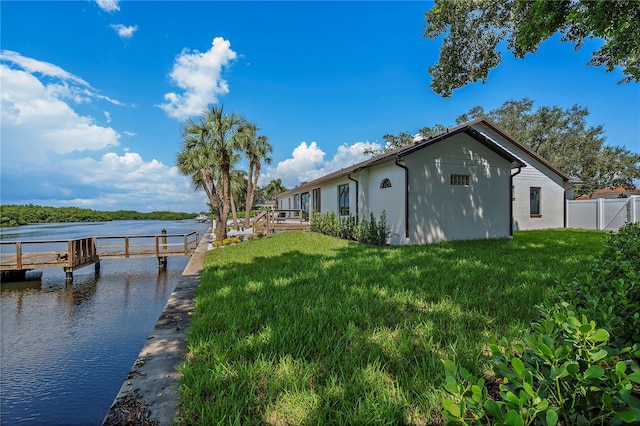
[(539, 189), (473, 181)]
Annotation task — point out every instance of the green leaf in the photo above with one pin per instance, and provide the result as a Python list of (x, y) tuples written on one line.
[(600, 335), (621, 367), (593, 372), (449, 366), (523, 397), (451, 407), (632, 402), (493, 409), (627, 416), (512, 398), (517, 365), (451, 388), (574, 321), (558, 372), (528, 389), (513, 418), (542, 405), (598, 355), (585, 328), (572, 368), (552, 418), (634, 377), (546, 350)]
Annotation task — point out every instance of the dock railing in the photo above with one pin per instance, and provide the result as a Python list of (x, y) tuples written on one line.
[(21, 256), (274, 221), (146, 245)]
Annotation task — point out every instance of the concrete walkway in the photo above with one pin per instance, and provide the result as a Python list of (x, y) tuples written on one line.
[(149, 394)]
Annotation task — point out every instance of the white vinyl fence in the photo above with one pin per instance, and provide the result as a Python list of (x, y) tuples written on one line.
[(601, 213)]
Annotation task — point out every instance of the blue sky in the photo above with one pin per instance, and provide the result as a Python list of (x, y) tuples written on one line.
[(94, 93)]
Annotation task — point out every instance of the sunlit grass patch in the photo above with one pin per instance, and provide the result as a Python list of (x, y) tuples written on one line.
[(301, 328)]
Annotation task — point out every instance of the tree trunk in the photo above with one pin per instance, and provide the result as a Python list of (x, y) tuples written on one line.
[(254, 185), (213, 192), (234, 213), (221, 229), (249, 201)]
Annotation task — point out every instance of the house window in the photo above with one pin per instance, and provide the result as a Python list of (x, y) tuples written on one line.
[(534, 201), (343, 199), (462, 180), (296, 201), (304, 200), (316, 200), (386, 183)]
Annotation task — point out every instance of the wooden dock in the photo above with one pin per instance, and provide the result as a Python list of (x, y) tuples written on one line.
[(17, 257)]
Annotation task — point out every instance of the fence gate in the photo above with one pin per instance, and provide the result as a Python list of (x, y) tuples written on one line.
[(601, 213)]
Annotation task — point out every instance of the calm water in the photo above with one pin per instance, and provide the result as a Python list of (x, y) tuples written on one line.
[(66, 348)]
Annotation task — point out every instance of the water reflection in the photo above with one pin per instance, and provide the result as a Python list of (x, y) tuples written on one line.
[(65, 348)]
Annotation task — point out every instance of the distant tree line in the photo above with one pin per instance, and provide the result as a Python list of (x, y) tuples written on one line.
[(16, 215)]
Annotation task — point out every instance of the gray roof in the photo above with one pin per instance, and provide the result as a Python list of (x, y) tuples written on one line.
[(425, 142)]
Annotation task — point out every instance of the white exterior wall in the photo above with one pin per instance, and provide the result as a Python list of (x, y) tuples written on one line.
[(329, 194), (390, 200), (285, 203), (535, 174), (440, 211), (437, 210)]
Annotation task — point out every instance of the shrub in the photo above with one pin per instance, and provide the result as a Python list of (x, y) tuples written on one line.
[(578, 364), (365, 231), (609, 291), (226, 242), (563, 371)]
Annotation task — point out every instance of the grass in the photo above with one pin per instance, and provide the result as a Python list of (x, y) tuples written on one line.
[(302, 328)]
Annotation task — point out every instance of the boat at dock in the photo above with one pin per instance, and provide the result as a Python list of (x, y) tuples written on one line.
[(202, 218)]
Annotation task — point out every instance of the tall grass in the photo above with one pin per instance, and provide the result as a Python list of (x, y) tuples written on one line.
[(302, 328)]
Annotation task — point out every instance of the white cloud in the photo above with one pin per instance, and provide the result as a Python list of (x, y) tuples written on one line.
[(54, 155), (36, 121), (349, 155), (142, 185), (108, 5), (114, 182), (59, 83), (307, 163), (35, 66), (199, 75), (124, 31)]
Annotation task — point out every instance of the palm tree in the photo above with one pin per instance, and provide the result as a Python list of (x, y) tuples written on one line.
[(238, 187), (274, 188), (256, 151), (206, 156)]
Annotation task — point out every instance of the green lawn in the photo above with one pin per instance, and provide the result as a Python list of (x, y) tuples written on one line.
[(302, 328)]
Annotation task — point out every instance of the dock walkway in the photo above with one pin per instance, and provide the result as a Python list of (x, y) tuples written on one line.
[(17, 257)]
